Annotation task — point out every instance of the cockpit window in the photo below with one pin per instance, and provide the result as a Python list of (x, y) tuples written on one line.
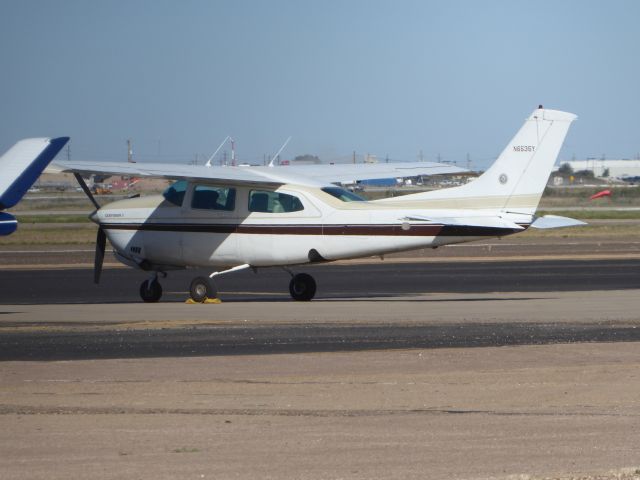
[(175, 193), (342, 194)]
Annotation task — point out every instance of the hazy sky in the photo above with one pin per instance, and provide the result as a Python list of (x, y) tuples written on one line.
[(381, 77)]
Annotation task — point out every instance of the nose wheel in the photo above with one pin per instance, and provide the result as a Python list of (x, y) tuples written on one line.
[(302, 287), (151, 290)]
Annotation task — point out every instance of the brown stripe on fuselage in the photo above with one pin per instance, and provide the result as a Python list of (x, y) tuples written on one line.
[(302, 229)]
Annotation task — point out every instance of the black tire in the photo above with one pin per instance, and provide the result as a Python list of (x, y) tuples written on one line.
[(201, 289), (150, 291), (302, 287)]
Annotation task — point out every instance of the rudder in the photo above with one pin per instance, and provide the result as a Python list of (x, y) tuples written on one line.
[(516, 180)]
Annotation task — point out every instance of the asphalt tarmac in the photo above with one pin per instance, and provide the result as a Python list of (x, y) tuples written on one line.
[(291, 327), (300, 338), (351, 280)]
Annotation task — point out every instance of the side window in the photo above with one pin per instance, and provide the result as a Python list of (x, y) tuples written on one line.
[(207, 197), (175, 193), (273, 202)]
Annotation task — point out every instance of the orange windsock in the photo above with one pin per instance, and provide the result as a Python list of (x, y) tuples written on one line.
[(603, 193)]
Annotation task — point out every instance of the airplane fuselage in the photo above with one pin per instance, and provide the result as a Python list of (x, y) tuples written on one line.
[(217, 225)]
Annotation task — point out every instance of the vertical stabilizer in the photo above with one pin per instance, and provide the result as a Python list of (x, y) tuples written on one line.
[(22, 164), (516, 180)]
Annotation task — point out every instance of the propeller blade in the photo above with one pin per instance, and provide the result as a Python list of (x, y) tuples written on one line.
[(86, 190), (101, 242)]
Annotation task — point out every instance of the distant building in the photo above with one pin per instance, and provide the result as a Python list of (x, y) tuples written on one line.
[(617, 168), (303, 160)]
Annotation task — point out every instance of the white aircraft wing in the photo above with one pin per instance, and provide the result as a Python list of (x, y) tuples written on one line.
[(170, 171), (313, 175), (345, 173)]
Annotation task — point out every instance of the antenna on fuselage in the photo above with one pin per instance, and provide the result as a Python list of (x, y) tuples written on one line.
[(233, 152), (208, 164), (273, 159), (130, 151)]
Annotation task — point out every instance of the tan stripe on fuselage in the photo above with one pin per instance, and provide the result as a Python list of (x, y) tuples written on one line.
[(467, 203)]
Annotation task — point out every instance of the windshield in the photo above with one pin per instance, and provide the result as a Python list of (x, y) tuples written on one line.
[(342, 194), (175, 193)]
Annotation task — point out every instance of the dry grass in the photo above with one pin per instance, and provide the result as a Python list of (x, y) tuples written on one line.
[(608, 230), (76, 234), (594, 214), (33, 219)]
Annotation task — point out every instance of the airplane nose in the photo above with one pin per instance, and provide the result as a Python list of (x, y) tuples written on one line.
[(94, 217)]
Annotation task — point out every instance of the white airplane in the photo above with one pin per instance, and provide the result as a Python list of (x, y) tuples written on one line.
[(238, 218), (20, 167)]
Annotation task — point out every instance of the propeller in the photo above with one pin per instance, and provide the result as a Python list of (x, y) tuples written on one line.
[(101, 238), (86, 190), (101, 242)]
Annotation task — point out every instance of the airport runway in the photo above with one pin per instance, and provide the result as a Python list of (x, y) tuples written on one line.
[(351, 280), (62, 315)]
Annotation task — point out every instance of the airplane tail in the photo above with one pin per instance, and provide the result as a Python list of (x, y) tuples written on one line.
[(22, 164), (516, 180)]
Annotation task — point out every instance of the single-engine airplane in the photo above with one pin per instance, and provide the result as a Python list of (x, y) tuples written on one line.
[(20, 167), (238, 218)]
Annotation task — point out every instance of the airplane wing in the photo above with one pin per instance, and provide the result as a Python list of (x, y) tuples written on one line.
[(170, 171), (312, 175), (345, 173)]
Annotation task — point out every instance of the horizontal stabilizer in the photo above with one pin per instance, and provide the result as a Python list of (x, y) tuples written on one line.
[(556, 221), (486, 222)]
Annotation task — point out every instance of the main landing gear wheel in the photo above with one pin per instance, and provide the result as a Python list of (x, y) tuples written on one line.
[(201, 289), (302, 287), (151, 290)]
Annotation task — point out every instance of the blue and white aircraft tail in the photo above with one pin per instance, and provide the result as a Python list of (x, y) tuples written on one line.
[(20, 167)]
